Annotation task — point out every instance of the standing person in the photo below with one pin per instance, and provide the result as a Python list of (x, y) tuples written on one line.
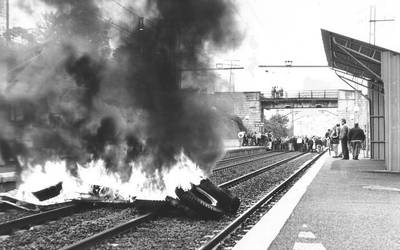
[(314, 147), (245, 139), (310, 144), (356, 137), (291, 143), (344, 137), (318, 144), (335, 141), (258, 138), (299, 144), (240, 136), (328, 140)]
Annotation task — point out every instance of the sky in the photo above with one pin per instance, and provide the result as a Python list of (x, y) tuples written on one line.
[(276, 31)]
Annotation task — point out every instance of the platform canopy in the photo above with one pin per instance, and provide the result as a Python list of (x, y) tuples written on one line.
[(353, 57)]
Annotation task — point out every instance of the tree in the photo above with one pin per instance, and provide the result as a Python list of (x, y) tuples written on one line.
[(277, 124)]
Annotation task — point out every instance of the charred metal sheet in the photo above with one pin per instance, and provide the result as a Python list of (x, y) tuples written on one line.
[(8, 201), (49, 192)]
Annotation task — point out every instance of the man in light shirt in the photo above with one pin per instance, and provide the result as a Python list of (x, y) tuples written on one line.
[(344, 137)]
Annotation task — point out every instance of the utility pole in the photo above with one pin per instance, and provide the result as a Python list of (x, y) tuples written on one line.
[(8, 21), (292, 122), (231, 85), (372, 23)]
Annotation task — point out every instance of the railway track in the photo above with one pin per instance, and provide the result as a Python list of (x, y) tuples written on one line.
[(12, 209), (245, 160), (245, 221), (38, 218), (129, 223), (95, 239), (238, 158), (247, 176), (92, 240)]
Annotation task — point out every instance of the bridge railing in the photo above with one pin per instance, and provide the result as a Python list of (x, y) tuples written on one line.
[(304, 94)]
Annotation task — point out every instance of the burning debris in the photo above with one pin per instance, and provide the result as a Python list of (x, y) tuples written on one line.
[(86, 112), (208, 200), (49, 192), (205, 200)]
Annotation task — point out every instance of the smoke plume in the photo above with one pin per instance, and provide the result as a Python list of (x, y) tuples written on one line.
[(87, 100)]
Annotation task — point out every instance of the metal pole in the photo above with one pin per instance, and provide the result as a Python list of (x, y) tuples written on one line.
[(370, 23), (292, 122), (374, 24), (7, 21)]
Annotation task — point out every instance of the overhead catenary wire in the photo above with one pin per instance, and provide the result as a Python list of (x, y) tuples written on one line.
[(126, 8), (132, 12), (117, 26)]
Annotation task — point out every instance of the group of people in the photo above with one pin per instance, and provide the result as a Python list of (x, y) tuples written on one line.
[(272, 143), (252, 138), (276, 93), (349, 139), (302, 144), (343, 135)]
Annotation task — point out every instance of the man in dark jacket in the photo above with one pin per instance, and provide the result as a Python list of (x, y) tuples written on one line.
[(356, 137), (344, 137)]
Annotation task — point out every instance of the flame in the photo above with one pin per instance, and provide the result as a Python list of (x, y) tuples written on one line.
[(139, 185)]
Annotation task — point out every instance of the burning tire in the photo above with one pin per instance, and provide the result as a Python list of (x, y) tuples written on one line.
[(151, 205), (200, 201), (226, 201), (177, 207)]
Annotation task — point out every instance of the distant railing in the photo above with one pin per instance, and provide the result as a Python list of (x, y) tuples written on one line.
[(304, 94)]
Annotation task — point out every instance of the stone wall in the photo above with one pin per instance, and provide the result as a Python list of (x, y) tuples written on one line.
[(245, 105)]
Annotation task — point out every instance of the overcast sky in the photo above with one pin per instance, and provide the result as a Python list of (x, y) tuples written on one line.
[(290, 30), (287, 30)]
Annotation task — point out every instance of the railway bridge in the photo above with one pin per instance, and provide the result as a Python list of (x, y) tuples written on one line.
[(300, 99), (250, 106)]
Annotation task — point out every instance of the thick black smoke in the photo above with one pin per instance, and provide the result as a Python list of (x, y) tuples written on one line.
[(177, 119), (131, 106)]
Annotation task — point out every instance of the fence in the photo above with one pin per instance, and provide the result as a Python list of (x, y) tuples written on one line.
[(304, 94)]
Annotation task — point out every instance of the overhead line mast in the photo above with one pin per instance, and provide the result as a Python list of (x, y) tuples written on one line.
[(372, 23)]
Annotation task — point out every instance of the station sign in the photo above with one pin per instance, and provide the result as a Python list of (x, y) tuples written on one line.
[(259, 124)]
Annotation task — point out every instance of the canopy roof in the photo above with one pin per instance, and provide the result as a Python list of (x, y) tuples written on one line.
[(354, 57)]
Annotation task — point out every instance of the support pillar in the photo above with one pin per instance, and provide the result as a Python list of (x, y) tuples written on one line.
[(390, 71)]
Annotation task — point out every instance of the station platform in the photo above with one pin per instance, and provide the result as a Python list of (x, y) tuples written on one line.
[(8, 178), (243, 148), (337, 204), (7, 174)]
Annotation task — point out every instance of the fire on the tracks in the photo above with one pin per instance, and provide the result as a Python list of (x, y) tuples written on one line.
[(89, 112), (182, 189)]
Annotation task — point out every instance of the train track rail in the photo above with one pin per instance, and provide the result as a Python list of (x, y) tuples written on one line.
[(39, 218), (246, 160), (236, 158), (95, 239), (90, 241), (219, 238), (254, 173)]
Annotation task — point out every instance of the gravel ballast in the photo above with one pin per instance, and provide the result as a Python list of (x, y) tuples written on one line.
[(12, 214), (167, 232), (186, 233), (219, 177), (65, 231)]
